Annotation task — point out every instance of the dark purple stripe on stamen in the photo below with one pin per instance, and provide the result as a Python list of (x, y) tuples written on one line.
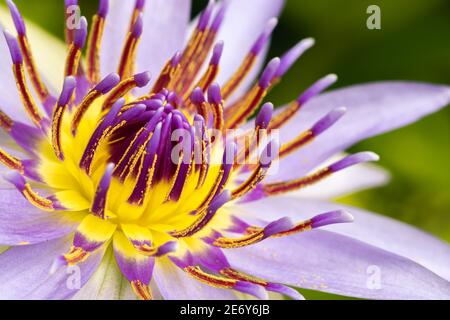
[(99, 204), (145, 177)]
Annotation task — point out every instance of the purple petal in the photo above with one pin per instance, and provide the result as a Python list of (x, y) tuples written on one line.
[(174, 284), (20, 222), (372, 109), (24, 272), (324, 261), (373, 229), (107, 283)]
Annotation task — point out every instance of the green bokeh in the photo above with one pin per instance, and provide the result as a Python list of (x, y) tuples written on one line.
[(413, 44)]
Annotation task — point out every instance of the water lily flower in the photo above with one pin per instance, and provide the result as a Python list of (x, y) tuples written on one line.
[(93, 205)]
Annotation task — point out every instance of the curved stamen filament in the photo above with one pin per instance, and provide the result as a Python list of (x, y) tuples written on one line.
[(193, 46), (63, 102), (286, 186), (127, 60), (99, 203), (75, 49), (244, 69), (319, 127), (10, 161), (257, 235), (18, 70), (205, 216), (35, 77), (287, 114), (240, 111), (167, 74), (213, 68), (215, 99), (46, 204), (94, 42)]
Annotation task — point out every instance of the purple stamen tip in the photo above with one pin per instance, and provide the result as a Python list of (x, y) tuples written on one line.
[(333, 217), (197, 96), (205, 16), (155, 140), (172, 97), (218, 19), (220, 200), (17, 18), (214, 94), (318, 87), (281, 225), (109, 82), (217, 53), (105, 181), (142, 79), (264, 37), (330, 119), (81, 33), (269, 154), (353, 160), (138, 27), (264, 116), (153, 104), (68, 87), (176, 59), (269, 72), (289, 58), (103, 8), (199, 119), (139, 4), (69, 3), (14, 49)]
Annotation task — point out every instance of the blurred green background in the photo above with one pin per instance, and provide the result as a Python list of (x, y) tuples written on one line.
[(413, 44)]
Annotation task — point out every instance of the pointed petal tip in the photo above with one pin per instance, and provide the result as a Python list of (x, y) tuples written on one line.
[(57, 264), (252, 289)]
